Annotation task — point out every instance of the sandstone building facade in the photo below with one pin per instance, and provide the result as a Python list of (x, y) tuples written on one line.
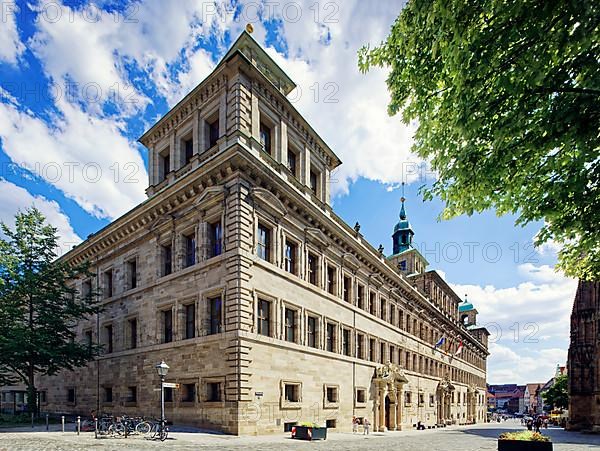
[(268, 308), (583, 363)]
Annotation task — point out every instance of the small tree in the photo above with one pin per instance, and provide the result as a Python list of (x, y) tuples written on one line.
[(39, 309), (558, 395)]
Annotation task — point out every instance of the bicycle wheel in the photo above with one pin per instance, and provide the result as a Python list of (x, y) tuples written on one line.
[(143, 428), (163, 434), (116, 428)]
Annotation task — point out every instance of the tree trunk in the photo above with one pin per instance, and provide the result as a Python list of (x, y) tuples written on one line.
[(31, 392)]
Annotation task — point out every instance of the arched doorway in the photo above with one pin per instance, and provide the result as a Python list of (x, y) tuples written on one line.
[(388, 383), (387, 413), (444, 397)]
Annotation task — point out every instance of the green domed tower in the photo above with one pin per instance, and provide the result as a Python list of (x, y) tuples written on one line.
[(405, 256), (403, 232)]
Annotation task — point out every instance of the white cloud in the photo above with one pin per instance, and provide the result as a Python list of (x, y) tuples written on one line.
[(91, 47), (11, 46), (13, 198), (87, 158), (529, 323), (348, 109)]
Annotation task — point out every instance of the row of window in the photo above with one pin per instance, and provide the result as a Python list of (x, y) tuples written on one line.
[(210, 132), (189, 252), (186, 393), (213, 325), (365, 347), (384, 309)]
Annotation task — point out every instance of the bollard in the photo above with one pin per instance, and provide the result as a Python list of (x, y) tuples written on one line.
[(46, 422), (96, 428), (78, 424), (32, 420), (62, 419)]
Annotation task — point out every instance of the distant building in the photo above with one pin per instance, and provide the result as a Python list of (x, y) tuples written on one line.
[(531, 397), (584, 359)]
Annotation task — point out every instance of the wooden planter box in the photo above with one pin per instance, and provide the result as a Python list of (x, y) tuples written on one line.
[(309, 433), (523, 445)]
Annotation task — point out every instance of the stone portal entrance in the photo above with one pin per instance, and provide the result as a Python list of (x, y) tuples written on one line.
[(388, 383), (444, 399)]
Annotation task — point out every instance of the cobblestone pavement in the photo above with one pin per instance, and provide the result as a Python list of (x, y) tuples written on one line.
[(463, 438)]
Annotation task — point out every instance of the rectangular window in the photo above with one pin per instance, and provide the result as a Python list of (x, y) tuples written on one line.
[(88, 339), (167, 259), (292, 392), (108, 394), (381, 352), (263, 244), (109, 338), (131, 394), (330, 424), (132, 273), (331, 276), (314, 183), (330, 339), (290, 257), (311, 326), (188, 393), (393, 315), (71, 395), (312, 269), (213, 133), (383, 310), (215, 233), (188, 150), (108, 283), (347, 288), (213, 392), (372, 349), (373, 304), (43, 394), (292, 162), (332, 394), (360, 346), (86, 288), (164, 166), (168, 394), (392, 356), (132, 333), (290, 325), (346, 342), (264, 317), (408, 397), (265, 138), (190, 250), (190, 321), (215, 307), (360, 299), (361, 395), (167, 326)]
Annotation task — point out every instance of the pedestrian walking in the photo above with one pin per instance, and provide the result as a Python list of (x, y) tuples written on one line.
[(354, 424), (529, 424), (366, 426), (545, 423), (538, 424)]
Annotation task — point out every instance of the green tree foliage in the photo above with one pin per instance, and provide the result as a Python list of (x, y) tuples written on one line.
[(506, 95), (38, 307), (558, 395)]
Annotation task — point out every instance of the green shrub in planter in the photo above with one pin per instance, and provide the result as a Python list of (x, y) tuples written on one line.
[(524, 441)]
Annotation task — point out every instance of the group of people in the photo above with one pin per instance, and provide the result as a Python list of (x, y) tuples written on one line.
[(536, 423), (365, 422)]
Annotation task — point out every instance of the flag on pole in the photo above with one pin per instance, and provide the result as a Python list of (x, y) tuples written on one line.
[(440, 342), (459, 349)]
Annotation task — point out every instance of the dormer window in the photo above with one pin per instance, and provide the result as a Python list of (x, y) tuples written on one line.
[(265, 137)]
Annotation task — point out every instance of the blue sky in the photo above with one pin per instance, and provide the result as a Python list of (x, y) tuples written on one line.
[(80, 82)]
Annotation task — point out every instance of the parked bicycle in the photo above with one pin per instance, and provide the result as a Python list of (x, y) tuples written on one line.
[(153, 429)]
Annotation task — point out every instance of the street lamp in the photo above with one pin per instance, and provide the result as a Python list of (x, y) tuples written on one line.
[(162, 369)]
